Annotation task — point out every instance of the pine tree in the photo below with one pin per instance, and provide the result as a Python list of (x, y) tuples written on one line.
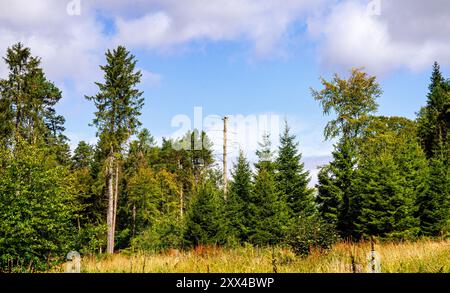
[(433, 119), (292, 179), (433, 131), (28, 100), (239, 199), (205, 223), (270, 212), (434, 204), (336, 200), (392, 174), (118, 105), (83, 156)]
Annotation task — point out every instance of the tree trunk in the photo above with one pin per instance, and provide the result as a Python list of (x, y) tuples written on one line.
[(181, 201), (134, 219), (110, 213), (116, 195)]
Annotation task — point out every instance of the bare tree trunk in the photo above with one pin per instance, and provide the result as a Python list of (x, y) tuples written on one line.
[(134, 219), (110, 213), (181, 202), (116, 195)]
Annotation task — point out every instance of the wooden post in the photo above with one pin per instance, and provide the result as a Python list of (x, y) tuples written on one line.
[(374, 259), (225, 179), (73, 264)]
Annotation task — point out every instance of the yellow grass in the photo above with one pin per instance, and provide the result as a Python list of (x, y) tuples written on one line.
[(421, 256)]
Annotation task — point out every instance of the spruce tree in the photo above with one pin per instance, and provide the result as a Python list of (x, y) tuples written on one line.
[(28, 99), (118, 105), (292, 179), (434, 134), (239, 198), (434, 204), (335, 198), (270, 212), (433, 119), (205, 222), (391, 176)]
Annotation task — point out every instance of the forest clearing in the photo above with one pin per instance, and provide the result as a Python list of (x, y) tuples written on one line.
[(425, 256), (140, 187)]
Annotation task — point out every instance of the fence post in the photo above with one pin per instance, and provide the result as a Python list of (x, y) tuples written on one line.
[(374, 259), (73, 264)]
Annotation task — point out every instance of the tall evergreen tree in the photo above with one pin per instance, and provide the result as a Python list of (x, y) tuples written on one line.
[(335, 195), (434, 133), (270, 212), (205, 223), (118, 105), (239, 198), (292, 179), (434, 118), (27, 99), (392, 174)]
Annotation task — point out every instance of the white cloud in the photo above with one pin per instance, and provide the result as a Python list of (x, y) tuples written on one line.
[(164, 24), (71, 47), (406, 35), (150, 78)]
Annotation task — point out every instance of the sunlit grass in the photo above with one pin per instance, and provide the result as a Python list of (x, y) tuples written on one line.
[(412, 257)]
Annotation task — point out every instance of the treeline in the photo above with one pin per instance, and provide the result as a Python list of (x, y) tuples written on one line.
[(389, 176)]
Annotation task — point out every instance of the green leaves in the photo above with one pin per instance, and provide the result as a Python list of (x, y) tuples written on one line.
[(37, 207), (351, 100)]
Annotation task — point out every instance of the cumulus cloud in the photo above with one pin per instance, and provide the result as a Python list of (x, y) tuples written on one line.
[(164, 24), (405, 35), (70, 46)]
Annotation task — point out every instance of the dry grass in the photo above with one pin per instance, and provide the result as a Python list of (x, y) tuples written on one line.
[(421, 256)]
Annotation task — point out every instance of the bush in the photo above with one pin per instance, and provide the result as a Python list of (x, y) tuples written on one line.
[(311, 232), (164, 234)]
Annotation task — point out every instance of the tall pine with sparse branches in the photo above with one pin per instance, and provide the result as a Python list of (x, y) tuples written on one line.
[(118, 103)]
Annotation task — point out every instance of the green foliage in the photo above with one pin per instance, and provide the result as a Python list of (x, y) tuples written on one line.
[(205, 223), (165, 233), (308, 232), (28, 100), (392, 174), (118, 101), (291, 177), (434, 204), (269, 216), (37, 208), (352, 101), (238, 199), (336, 200)]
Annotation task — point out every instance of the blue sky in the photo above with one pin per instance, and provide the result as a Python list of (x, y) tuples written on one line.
[(248, 57)]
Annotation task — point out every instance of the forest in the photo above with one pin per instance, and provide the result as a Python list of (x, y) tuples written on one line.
[(389, 177)]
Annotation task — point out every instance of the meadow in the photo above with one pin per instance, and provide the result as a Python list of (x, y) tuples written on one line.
[(424, 256)]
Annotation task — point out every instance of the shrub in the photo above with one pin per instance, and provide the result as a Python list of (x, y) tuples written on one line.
[(310, 232)]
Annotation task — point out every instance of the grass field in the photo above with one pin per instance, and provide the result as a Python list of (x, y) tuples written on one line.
[(422, 256)]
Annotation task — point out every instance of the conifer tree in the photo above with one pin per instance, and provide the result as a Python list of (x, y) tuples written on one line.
[(434, 118), (118, 105), (434, 134), (205, 223), (392, 174), (27, 99), (292, 179), (270, 212), (239, 199)]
